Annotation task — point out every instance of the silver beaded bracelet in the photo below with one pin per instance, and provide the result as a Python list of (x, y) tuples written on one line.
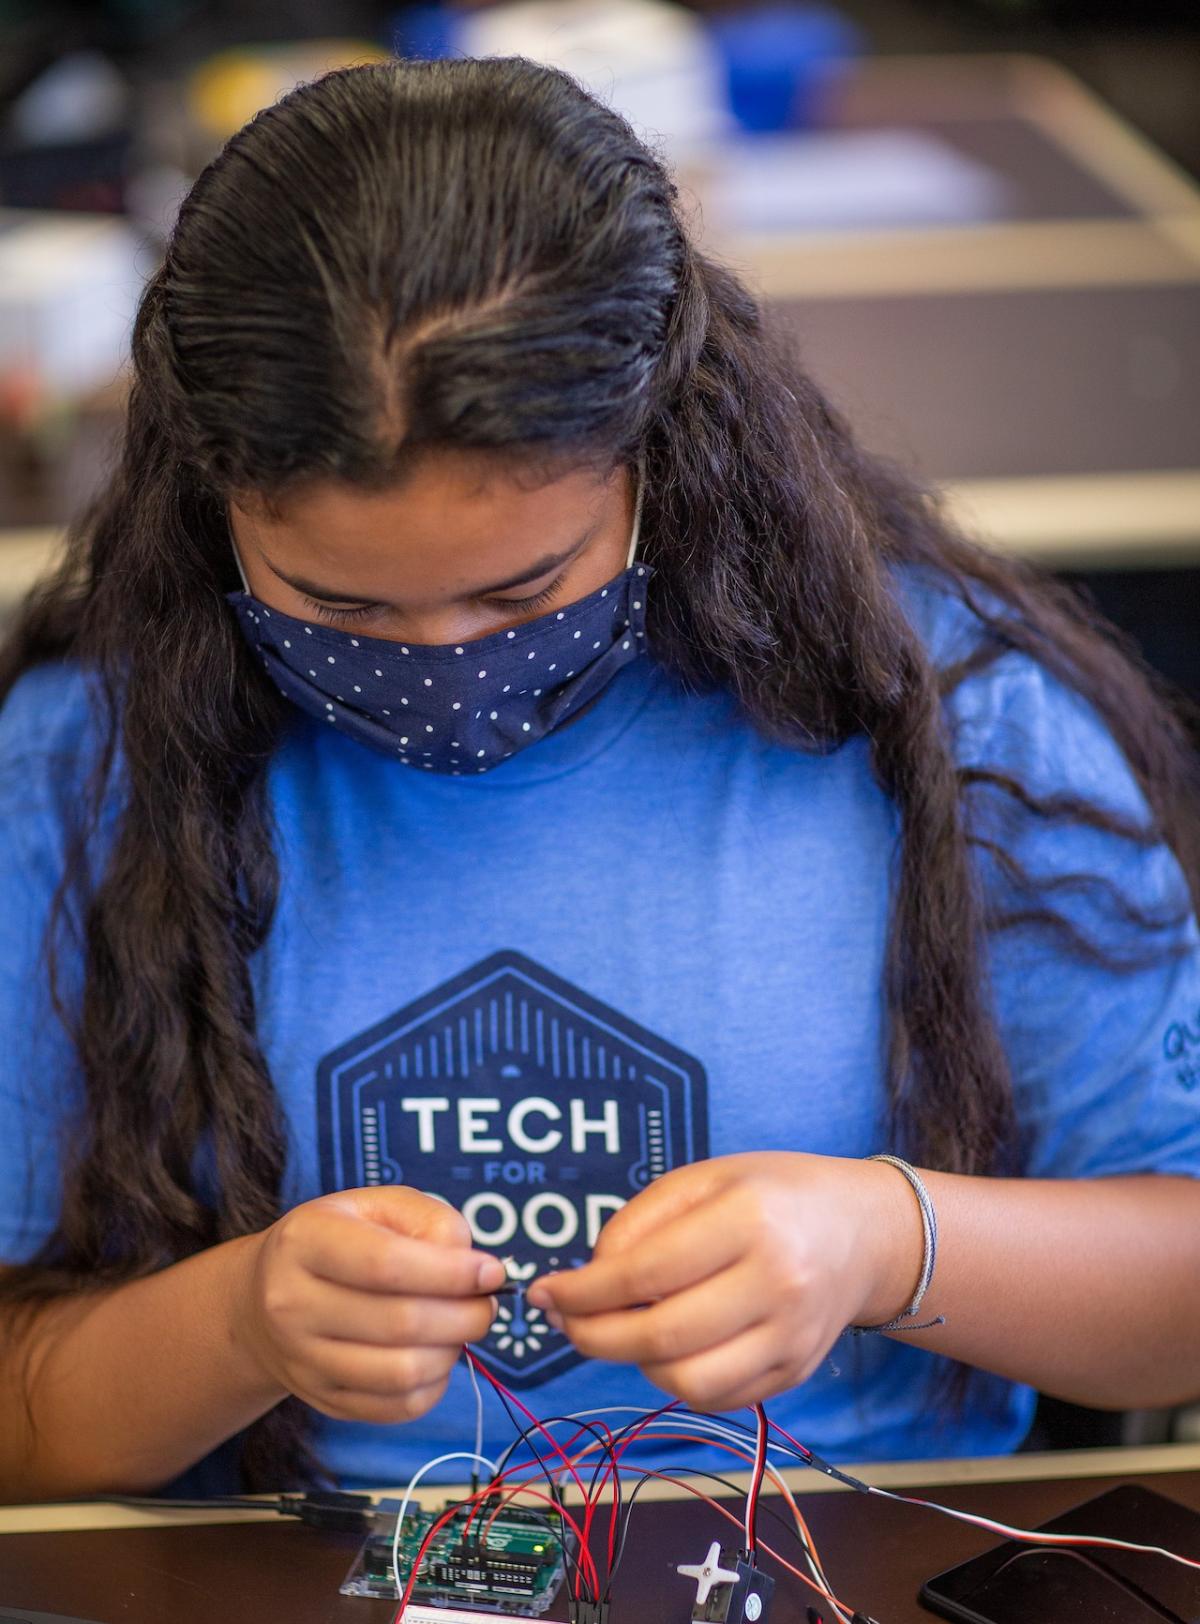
[(929, 1225)]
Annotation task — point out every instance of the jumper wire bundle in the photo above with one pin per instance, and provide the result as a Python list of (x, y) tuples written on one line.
[(589, 1450)]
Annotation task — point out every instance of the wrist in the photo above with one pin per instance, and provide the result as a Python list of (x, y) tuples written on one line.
[(895, 1238), (243, 1321)]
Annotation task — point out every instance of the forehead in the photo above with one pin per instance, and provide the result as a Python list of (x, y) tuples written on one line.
[(453, 520)]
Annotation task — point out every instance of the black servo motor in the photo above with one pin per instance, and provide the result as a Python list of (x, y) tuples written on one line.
[(729, 1588)]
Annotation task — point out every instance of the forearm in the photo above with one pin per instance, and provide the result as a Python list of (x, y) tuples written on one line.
[(120, 1391), (1088, 1289)]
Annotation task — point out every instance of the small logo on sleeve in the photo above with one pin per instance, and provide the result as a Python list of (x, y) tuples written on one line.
[(1181, 1048)]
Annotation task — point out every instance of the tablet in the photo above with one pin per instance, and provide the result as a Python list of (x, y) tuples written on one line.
[(1015, 1583), (22, 1615)]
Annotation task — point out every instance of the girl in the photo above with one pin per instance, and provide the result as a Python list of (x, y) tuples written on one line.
[(508, 787)]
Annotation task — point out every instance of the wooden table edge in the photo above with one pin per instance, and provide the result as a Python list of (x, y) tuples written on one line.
[(1058, 1465)]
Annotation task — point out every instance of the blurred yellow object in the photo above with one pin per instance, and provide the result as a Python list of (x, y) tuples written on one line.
[(225, 91)]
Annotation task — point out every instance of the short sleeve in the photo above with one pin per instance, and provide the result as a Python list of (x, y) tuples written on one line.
[(39, 1073), (1104, 1056)]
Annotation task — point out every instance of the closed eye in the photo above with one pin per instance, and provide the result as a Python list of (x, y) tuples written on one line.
[(535, 602), (326, 611), (335, 616)]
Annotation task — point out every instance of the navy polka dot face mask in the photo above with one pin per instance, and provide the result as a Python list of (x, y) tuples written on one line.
[(455, 708)]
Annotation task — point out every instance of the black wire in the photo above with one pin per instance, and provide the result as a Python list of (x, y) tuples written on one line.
[(606, 1438), (626, 1427), (692, 1471), (524, 1437), (754, 1435), (566, 1549), (609, 1448), (804, 1456)]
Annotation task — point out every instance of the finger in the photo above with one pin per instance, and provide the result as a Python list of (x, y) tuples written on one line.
[(762, 1387), (408, 1211), (369, 1257), (682, 1324), (666, 1198), (344, 1315), (692, 1247), (752, 1363), (352, 1367), (408, 1406)]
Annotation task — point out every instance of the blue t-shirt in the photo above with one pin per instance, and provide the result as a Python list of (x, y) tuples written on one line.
[(652, 937)]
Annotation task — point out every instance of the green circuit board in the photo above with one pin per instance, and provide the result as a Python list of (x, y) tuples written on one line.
[(518, 1569)]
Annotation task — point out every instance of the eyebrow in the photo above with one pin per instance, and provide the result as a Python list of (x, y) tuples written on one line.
[(544, 565)]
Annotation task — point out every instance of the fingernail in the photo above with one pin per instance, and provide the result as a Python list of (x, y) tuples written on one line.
[(539, 1296), (492, 1274)]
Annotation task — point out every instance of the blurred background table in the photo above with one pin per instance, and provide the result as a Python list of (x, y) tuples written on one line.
[(1042, 364)]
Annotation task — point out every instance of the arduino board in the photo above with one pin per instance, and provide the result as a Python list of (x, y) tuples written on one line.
[(515, 1568)]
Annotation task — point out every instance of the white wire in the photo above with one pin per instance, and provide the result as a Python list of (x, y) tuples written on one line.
[(713, 1428), (429, 1465), (810, 1556), (1034, 1536), (474, 1375), (760, 1459)]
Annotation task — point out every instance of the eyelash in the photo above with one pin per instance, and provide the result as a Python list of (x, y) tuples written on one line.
[(325, 611), (536, 601)]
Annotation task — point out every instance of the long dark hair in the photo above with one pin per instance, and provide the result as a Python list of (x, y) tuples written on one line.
[(477, 254)]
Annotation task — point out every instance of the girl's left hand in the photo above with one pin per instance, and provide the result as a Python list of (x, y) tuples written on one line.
[(728, 1281)]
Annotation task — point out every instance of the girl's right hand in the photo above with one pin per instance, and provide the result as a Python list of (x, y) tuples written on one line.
[(360, 1302)]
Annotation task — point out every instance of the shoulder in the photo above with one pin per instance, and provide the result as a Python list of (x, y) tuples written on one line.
[(50, 731), (1014, 715), (51, 716)]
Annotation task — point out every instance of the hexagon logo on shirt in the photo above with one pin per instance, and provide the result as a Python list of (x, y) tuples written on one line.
[(533, 1108)]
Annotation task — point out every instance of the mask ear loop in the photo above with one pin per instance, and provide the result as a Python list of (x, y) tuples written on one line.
[(237, 558), (637, 515)]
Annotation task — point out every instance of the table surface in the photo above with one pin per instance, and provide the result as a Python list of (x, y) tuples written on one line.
[(180, 1568)]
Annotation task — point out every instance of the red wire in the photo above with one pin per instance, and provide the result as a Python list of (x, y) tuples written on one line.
[(520, 1466), (644, 1423), (795, 1442), (529, 1415), (613, 1470), (451, 1512), (585, 1548), (729, 1516), (1030, 1536), (760, 1469), (594, 1500), (591, 1500)]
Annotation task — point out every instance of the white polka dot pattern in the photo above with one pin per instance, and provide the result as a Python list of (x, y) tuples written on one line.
[(469, 703)]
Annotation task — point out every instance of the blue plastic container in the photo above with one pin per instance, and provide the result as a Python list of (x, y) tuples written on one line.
[(422, 31), (779, 60)]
